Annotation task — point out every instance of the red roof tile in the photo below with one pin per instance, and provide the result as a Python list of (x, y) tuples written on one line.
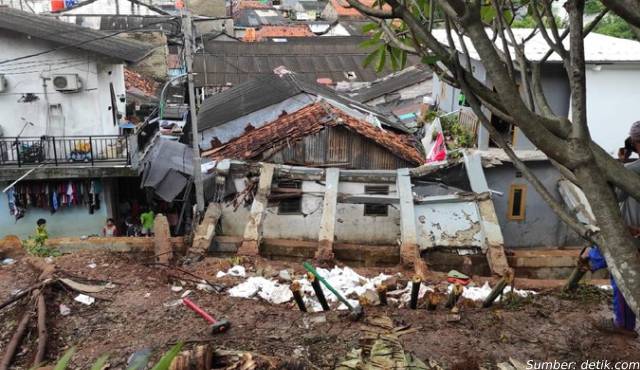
[(134, 80), (345, 10), (307, 121), (298, 30)]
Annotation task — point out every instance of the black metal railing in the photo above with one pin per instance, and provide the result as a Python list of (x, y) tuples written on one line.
[(63, 150)]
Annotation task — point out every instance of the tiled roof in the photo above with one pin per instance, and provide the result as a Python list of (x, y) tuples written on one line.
[(345, 10), (250, 4), (309, 120), (71, 35), (135, 81), (297, 30)]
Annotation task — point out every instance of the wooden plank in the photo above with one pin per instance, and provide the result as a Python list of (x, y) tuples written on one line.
[(493, 240), (253, 230), (328, 220), (409, 239), (368, 199)]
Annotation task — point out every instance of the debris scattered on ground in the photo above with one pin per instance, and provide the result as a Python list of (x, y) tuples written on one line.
[(8, 261), (64, 309), (236, 271), (481, 293), (84, 299)]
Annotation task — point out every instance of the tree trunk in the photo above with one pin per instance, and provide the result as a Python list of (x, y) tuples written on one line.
[(619, 248)]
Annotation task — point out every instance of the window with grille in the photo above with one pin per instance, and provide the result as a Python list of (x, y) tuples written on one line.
[(290, 205), (376, 209)]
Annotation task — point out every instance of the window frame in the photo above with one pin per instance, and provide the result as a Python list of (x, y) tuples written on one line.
[(298, 185), (523, 202), (376, 190)]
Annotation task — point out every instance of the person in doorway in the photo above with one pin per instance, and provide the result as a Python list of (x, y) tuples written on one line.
[(624, 320), (146, 219), (41, 229), (110, 229)]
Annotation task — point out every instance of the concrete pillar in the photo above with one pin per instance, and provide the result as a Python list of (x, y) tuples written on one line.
[(206, 231), (253, 231), (409, 239), (161, 239), (493, 241), (328, 220)]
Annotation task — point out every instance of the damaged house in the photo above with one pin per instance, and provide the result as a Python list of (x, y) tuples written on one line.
[(612, 77), (327, 181)]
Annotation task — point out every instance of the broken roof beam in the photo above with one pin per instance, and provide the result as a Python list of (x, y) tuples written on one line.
[(493, 240), (253, 230), (328, 221), (318, 174), (408, 234)]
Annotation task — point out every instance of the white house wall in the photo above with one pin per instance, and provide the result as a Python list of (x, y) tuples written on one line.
[(86, 112), (448, 225), (612, 103), (235, 128), (351, 224)]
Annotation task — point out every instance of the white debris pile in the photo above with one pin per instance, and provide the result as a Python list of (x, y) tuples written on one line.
[(346, 281), (235, 271), (269, 290), (481, 293)]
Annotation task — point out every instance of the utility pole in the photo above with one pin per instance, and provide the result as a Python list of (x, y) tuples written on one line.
[(187, 34)]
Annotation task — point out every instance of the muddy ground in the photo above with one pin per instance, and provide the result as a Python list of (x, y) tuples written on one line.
[(135, 314)]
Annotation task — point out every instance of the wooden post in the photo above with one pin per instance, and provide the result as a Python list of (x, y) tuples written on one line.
[(162, 239), (206, 230), (328, 220), (253, 230), (409, 239), (494, 243)]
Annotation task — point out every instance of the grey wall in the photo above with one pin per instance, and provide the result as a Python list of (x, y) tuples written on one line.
[(541, 227)]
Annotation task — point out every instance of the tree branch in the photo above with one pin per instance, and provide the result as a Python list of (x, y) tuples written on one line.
[(373, 12), (629, 10)]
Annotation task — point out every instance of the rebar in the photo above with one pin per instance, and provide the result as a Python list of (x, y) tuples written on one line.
[(297, 296), (415, 289), (382, 294), (315, 283)]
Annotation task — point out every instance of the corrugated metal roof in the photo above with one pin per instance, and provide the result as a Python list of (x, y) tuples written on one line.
[(71, 35), (313, 57), (407, 77), (264, 91)]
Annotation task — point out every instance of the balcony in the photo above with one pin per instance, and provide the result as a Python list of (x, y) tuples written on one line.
[(95, 150)]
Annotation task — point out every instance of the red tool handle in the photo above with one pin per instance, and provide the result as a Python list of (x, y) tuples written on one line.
[(187, 302)]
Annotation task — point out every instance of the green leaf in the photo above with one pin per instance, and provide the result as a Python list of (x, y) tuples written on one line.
[(374, 41), (395, 56), (165, 361), (369, 27), (369, 59), (99, 364), (381, 58), (64, 361), (430, 59), (403, 59), (487, 13)]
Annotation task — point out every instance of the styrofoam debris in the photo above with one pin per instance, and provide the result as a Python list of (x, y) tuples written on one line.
[(92, 265), (186, 293), (176, 288), (110, 285), (236, 271), (206, 287), (173, 303), (64, 310), (8, 261), (605, 287), (481, 293), (84, 299), (268, 290)]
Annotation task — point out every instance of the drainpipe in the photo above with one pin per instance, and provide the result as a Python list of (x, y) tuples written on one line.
[(164, 91)]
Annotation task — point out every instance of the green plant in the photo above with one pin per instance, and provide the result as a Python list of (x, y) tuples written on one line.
[(36, 246), (162, 364), (456, 135)]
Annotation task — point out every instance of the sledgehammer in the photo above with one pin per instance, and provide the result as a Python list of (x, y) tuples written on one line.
[(217, 327)]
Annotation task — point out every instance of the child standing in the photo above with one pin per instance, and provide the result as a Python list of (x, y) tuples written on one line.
[(110, 229)]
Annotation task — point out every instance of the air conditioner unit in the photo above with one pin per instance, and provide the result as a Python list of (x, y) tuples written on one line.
[(67, 82), (3, 84)]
